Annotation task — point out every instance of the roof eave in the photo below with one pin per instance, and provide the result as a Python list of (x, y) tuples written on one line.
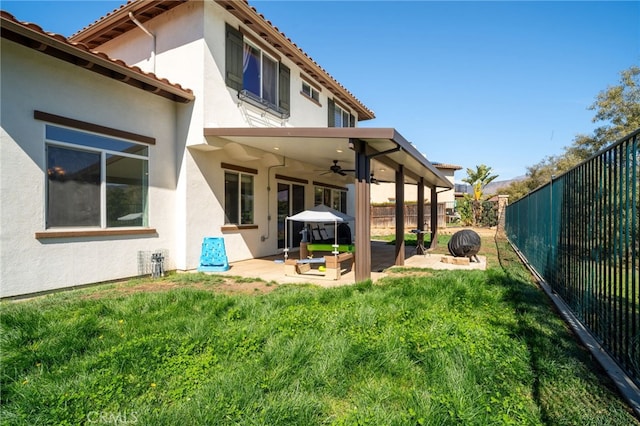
[(59, 47), (97, 33)]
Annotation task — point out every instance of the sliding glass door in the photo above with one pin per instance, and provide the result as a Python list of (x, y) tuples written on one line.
[(290, 202)]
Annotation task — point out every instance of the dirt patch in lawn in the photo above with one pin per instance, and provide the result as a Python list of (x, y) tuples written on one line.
[(225, 286)]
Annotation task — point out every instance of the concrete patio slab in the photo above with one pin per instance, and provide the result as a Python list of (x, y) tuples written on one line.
[(272, 268)]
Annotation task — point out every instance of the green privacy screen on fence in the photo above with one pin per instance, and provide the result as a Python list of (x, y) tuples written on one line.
[(581, 234)]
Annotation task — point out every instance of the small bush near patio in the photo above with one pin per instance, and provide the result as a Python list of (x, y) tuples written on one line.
[(434, 348)]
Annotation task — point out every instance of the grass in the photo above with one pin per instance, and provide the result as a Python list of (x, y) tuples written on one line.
[(456, 347), (412, 239)]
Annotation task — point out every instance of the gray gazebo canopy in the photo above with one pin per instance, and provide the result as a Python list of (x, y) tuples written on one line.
[(318, 214)]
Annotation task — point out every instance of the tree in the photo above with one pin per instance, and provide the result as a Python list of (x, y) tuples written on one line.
[(618, 107), (478, 179)]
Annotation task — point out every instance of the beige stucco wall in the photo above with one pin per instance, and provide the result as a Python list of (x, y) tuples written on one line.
[(186, 179), (33, 81), (190, 49)]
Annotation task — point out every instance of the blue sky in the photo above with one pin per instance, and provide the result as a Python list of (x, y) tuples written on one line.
[(503, 83)]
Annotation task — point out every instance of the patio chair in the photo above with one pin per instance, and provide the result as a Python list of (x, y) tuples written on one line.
[(320, 235)]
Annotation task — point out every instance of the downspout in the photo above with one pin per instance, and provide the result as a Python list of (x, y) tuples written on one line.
[(263, 238), (150, 34)]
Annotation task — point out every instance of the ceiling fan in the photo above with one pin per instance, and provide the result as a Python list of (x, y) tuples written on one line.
[(335, 168)]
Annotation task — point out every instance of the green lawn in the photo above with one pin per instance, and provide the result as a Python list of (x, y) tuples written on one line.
[(434, 348)]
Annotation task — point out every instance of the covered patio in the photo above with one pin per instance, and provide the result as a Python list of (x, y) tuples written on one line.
[(368, 153)]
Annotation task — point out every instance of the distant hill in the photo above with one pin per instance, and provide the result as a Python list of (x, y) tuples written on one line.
[(490, 189)]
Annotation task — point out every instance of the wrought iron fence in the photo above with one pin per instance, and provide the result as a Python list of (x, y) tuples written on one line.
[(581, 234)]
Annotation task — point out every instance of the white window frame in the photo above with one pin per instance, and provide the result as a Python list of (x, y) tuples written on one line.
[(334, 195), (103, 152), (310, 92), (240, 198), (341, 117), (264, 54)]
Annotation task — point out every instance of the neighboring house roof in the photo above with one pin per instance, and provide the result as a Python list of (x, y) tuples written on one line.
[(56, 45), (445, 166), (118, 22)]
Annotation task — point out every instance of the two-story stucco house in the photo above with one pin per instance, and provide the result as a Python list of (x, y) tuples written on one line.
[(165, 122)]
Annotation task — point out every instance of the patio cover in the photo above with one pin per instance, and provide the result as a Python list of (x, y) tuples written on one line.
[(382, 152), (319, 146)]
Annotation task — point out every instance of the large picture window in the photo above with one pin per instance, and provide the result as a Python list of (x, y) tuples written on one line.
[(94, 180), (238, 198)]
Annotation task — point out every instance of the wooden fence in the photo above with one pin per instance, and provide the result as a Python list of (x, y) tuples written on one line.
[(385, 216)]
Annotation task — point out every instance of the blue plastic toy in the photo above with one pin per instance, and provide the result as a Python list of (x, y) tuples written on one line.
[(214, 255)]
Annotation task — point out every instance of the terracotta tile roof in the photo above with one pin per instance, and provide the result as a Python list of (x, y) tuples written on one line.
[(117, 22), (56, 45)]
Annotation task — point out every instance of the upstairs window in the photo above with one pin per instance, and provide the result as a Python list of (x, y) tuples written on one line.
[(339, 117), (258, 77), (259, 74), (310, 92)]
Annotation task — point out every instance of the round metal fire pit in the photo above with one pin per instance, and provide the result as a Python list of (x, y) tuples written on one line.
[(465, 243)]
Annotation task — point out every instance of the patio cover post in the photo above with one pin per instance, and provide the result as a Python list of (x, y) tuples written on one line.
[(420, 219), (400, 216), (363, 211), (434, 217)]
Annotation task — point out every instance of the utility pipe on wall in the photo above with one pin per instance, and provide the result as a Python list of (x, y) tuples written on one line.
[(150, 34)]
